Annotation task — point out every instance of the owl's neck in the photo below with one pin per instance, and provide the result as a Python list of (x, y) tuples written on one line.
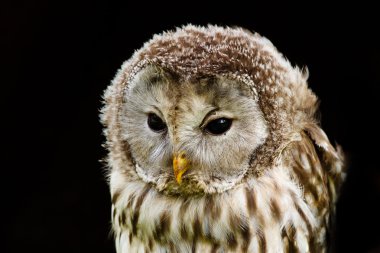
[(269, 208)]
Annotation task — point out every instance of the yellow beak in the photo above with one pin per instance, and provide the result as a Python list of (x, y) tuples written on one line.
[(180, 166)]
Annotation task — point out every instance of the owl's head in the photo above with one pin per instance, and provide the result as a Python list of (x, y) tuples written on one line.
[(191, 135), (200, 110)]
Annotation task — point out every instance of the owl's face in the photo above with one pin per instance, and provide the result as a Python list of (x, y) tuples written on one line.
[(191, 137)]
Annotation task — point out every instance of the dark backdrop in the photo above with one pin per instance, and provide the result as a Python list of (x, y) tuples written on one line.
[(57, 58)]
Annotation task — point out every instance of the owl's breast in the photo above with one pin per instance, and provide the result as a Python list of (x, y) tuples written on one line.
[(265, 213)]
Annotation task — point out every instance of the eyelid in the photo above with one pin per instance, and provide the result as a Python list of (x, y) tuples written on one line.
[(214, 114), (207, 116), (157, 112)]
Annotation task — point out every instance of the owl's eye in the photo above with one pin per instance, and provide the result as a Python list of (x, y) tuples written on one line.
[(218, 126), (155, 123)]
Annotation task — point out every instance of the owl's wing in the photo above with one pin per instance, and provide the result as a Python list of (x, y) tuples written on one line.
[(319, 168), (331, 159), (316, 163)]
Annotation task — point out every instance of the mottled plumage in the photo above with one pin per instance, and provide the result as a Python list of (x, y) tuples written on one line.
[(267, 184)]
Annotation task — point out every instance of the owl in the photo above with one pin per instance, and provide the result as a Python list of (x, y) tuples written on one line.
[(214, 146)]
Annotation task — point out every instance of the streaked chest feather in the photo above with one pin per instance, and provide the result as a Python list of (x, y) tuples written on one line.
[(268, 214)]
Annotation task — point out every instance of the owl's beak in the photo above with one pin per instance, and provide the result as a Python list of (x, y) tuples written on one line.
[(180, 166)]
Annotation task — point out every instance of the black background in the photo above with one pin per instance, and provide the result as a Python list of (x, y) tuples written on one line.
[(57, 58)]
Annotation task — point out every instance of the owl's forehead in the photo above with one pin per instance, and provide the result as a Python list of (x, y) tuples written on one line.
[(160, 84)]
